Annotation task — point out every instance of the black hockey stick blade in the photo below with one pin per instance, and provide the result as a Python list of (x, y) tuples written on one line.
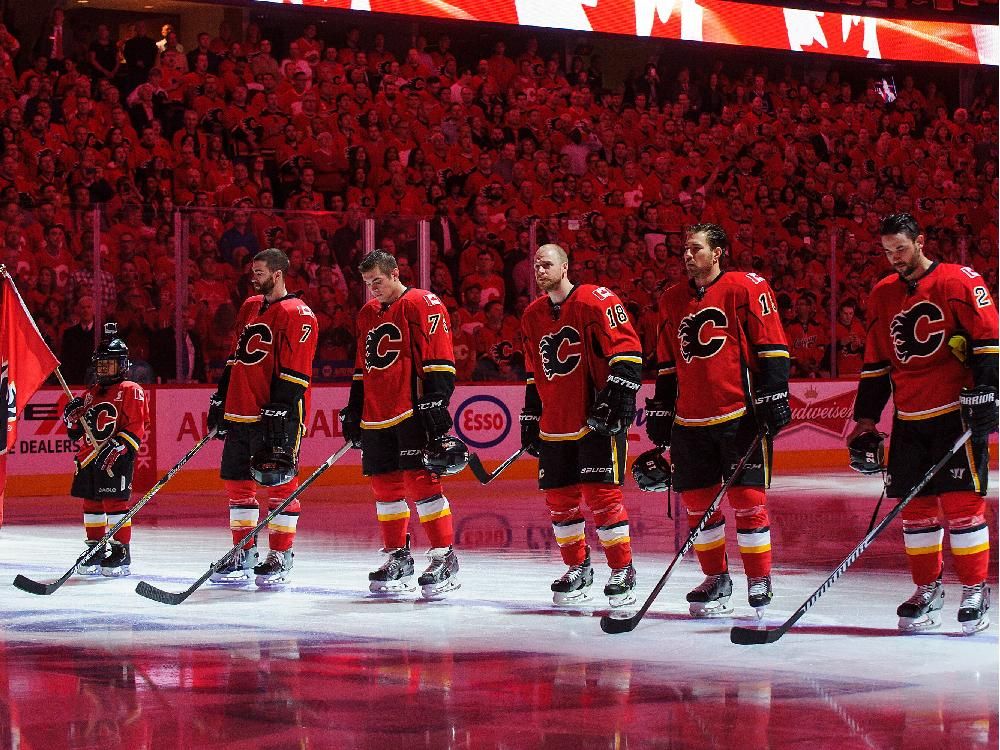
[(485, 477), (37, 587), (166, 597), (613, 625), (755, 636)]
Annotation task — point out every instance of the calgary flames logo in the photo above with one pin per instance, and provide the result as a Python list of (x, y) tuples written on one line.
[(906, 340), (382, 346), (560, 352), (689, 333)]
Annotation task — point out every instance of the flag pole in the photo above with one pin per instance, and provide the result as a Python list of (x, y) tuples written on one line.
[(59, 376)]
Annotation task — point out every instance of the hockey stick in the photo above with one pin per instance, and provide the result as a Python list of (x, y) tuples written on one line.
[(753, 636), (166, 597), (44, 589), (611, 624), (485, 477)]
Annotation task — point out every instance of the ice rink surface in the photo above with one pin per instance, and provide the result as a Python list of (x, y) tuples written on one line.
[(322, 664)]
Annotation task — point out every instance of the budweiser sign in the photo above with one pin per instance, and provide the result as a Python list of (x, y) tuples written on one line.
[(831, 414)]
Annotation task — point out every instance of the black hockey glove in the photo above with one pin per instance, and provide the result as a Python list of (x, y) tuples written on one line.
[(772, 410), (659, 422), (433, 411), (275, 419), (216, 415), (530, 431), (614, 408), (111, 451), (979, 410), (350, 426), (73, 411)]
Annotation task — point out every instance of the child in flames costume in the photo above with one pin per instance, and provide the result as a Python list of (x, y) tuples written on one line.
[(584, 368), (117, 413), (259, 411), (722, 376), (397, 413)]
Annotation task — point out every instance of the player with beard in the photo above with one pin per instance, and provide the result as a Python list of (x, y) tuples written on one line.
[(259, 411), (931, 345), (722, 376), (584, 367)]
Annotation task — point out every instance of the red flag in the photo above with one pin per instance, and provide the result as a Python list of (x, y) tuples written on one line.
[(25, 359)]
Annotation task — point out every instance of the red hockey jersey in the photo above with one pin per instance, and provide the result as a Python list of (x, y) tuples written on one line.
[(569, 350), (910, 328), (720, 342), (120, 411), (276, 346), (400, 346)]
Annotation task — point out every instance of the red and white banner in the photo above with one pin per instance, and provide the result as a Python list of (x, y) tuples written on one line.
[(25, 359), (719, 22)]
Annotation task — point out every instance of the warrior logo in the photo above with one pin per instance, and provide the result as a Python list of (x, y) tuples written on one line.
[(561, 352), (254, 344), (382, 346), (689, 333), (907, 341)]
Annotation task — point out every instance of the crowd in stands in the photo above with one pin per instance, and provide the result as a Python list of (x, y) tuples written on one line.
[(296, 147)]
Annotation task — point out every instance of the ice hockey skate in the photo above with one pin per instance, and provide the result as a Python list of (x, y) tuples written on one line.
[(973, 612), (117, 561), (620, 588), (574, 585), (239, 569), (91, 565), (759, 593), (440, 576), (711, 597), (395, 576), (275, 570), (922, 611)]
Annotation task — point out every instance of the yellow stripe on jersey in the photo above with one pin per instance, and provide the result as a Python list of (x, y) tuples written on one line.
[(555, 437), (712, 420), (915, 416), (986, 349), (625, 358), (391, 422), (874, 373), (129, 439), (439, 368), (773, 353), (294, 379)]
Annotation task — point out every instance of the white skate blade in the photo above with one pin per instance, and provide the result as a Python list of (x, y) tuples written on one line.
[(434, 590), (273, 579), (88, 570), (716, 608), (621, 600), (233, 579), (120, 572), (928, 621), (391, 588), (571, 598), (760, 611), (974, 626)]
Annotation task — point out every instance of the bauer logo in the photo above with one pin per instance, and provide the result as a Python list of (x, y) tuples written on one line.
[(482, 421)]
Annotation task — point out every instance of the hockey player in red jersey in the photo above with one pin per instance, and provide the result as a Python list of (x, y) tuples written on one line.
[(259, 410), (116, 411), (584, 367), (397, 413), (932, 345), (722, 375)]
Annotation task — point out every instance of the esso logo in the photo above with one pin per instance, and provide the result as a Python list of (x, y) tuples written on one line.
[(482, 421)]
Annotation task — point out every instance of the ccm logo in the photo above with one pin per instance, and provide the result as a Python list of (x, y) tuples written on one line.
[(482, 421)]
